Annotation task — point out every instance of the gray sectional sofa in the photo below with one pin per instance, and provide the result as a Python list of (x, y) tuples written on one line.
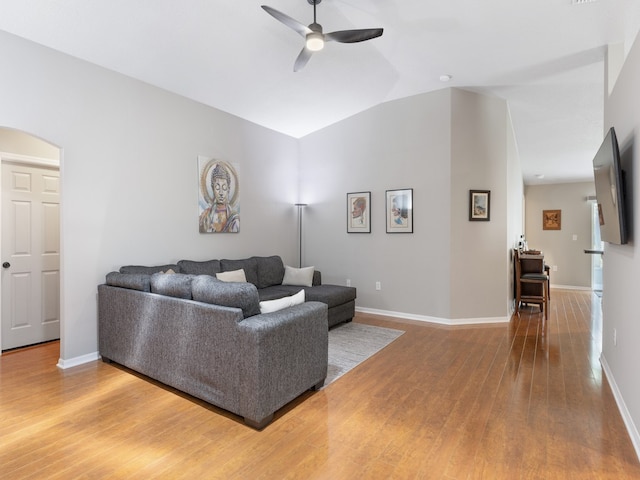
[(208, 338), (267, 274)]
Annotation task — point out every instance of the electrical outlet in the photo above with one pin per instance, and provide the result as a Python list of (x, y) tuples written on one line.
[(555, 268), (348, 282), (378, 286), (575, 237)]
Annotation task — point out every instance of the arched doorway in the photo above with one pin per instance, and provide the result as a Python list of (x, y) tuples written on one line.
[(30, 241)]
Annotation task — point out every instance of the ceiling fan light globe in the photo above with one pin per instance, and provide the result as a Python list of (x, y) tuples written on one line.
[(315, 42)]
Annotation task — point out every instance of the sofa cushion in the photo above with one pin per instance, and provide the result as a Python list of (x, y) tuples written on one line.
[(277, 291), (208, 267), (149, 270), (269, 306), (232, 276), (208, 289), (332, 295), (270, 271), (134, 281), (249, 265), (172, 285), (298, 276)]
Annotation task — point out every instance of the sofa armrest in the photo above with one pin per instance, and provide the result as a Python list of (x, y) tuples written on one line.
[(287, 349)]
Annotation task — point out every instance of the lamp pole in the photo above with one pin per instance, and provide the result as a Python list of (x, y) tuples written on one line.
[(300, 206)]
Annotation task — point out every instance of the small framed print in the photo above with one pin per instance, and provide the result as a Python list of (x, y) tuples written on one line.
[(399, 211), (359, 212), (552, 219), (479, 205)]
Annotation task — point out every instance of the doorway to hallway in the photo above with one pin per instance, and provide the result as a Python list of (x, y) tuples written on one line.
[(596, 245)]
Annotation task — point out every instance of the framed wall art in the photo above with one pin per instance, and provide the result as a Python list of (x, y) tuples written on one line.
[(399, 211), (552, 219), (359, 212), (218, 196), (479, 205)]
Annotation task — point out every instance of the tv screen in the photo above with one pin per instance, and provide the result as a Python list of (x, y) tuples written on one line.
[(610, 195)]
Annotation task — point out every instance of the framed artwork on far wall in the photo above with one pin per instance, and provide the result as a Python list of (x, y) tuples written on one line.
[(479, 205), (552, 219), (359, 212), (399, 211)]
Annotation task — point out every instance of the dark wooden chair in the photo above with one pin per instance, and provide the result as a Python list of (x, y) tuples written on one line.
[(537, 290), (547, 271)]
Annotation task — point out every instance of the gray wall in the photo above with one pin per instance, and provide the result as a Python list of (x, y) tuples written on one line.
[(621, 269), (129, 174), (440, 144), (515, 210), (479, 159), (559, 247), (401, 144), (129, 188)]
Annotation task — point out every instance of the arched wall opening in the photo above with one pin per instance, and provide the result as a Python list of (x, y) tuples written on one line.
[(21, 148)]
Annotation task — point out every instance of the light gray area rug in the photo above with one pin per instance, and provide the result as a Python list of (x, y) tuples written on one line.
[(352, 343)]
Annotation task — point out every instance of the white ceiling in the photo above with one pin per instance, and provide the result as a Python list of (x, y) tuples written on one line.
[(545, 57)]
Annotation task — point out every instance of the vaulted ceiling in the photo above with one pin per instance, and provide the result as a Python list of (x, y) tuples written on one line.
[(545, 57)]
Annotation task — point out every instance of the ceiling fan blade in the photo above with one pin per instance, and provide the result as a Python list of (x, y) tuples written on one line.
[(287, 20), (302, 59), (353, 36)]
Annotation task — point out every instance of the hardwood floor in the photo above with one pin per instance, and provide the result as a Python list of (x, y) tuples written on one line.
[(521, 400)]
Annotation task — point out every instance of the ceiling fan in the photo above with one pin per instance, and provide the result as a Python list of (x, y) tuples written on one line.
[(314, 38)]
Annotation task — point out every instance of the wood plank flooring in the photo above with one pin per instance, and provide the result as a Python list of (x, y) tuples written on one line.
[(524, 400)]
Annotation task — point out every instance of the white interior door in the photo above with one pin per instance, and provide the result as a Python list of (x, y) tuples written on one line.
[(30, 254)]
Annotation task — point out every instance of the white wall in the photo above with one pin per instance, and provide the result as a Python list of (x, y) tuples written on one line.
[(621, 269), (559, 247), (129, 175)]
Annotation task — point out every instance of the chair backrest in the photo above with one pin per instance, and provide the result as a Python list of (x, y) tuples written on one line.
[(517, 270)]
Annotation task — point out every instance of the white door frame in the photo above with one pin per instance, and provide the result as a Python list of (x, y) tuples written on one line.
[(38, 162)]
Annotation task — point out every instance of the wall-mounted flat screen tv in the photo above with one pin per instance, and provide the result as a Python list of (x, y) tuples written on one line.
[(610, 190)]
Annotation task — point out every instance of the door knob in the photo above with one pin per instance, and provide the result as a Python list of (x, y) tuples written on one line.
[(6, 265)]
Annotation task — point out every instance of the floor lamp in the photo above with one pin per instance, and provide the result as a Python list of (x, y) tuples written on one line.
[(300, 206)]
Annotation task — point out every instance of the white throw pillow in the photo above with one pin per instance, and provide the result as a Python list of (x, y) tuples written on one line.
[(268, 306), (298, 276), (232, 276)]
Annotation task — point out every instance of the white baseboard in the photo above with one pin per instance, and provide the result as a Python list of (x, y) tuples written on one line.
[(626, 416), (74, 362), (570, 287), (438, 320)]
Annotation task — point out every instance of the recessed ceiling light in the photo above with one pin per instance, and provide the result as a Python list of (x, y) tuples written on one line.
[(445, 78), (540, 176)]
